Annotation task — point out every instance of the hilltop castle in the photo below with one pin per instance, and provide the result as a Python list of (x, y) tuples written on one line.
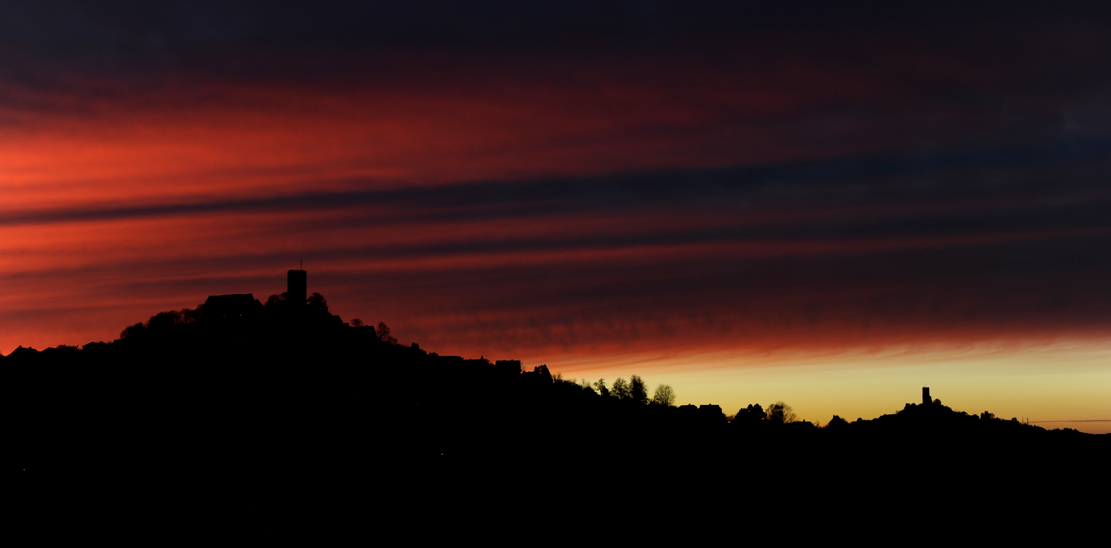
[(240, 308)]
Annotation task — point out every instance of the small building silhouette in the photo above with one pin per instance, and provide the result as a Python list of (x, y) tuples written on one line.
[(507, 367), (711, 413), (230, 309), (926, 396)]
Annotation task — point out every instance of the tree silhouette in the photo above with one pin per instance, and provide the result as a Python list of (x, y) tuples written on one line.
[(163, 323), (384, 333), (318, 303), (754, 413), (781, 413), (277, 301), (621, 390), (601, 386), (133, 332), (638, 391), (664, 396)]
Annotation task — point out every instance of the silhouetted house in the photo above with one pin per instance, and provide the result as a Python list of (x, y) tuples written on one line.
[(297, 284), (711, 413), (543, 373), (230, 309), (539, 376), (24, 353), (507, 367), (480, 366)]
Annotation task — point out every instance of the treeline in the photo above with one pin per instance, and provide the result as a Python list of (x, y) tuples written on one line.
[(279, 309), (634, 390)]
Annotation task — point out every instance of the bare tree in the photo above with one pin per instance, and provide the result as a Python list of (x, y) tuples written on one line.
[(781, 413), (664, 396), (384, 333)]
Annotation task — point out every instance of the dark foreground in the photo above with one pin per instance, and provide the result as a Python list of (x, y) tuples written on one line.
[(278, 414)]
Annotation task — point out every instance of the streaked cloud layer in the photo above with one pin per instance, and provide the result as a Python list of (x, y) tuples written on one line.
[(597, 187)]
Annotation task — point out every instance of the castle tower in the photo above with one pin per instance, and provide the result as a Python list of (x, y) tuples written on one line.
[(297, 284)]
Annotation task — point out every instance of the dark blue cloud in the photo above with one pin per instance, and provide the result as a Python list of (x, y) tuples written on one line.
[(1047, 184)]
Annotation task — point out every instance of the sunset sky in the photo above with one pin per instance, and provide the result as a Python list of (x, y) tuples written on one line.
[(832, 204)]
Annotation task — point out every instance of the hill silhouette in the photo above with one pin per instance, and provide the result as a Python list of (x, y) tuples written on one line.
[(286, 397)]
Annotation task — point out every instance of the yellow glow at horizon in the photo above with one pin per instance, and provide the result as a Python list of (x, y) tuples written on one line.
[(1059, 380)]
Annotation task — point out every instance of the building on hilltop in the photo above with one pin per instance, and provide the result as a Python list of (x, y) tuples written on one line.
[(230, 309), (295, 306), (297, 286), (507, 367)]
